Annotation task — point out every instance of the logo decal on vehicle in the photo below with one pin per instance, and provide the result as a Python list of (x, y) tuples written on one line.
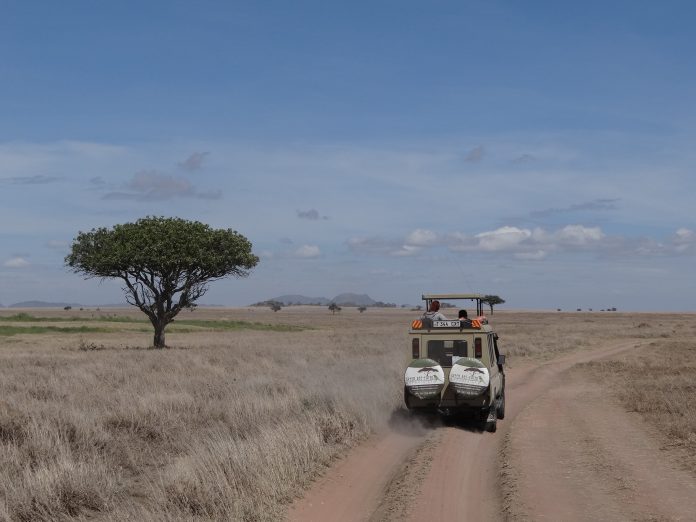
[(426, 375)]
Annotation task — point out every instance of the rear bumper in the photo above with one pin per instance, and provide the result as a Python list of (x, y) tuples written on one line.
[(449, 403)]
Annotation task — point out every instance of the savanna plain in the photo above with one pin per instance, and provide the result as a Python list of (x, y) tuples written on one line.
[(247, 407)]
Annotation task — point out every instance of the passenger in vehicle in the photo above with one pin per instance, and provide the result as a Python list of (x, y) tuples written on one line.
[(463, 315), (434, 313)]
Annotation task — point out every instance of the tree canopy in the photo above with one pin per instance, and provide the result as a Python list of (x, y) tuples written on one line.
[(492, 300), (165, 263)]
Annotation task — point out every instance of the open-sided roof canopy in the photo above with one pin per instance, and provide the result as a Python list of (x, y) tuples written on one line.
[(429, 298), (452, 296)]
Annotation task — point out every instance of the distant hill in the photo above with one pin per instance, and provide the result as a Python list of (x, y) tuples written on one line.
[(42, 304), (295, 299), (346, 299), (45, 304), (353, 299)]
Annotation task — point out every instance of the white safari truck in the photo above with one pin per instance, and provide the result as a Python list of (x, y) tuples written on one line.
[(456, 367)]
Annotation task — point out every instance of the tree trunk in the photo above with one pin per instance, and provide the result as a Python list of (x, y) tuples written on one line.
[(159, 335)]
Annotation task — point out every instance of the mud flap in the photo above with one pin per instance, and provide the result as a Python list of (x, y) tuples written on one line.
[(491, 423)]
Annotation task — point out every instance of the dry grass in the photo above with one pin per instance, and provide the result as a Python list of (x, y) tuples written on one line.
[(226, 424), (537, 335), (658, 381)]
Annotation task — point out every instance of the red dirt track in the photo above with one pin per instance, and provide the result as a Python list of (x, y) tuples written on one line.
[(554, 457)]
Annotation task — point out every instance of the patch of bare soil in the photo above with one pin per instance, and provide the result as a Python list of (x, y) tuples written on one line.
[(353, 489), (575, 454), (456, 474)]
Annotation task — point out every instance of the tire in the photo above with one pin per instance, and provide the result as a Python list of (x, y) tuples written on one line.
[(500, 410)]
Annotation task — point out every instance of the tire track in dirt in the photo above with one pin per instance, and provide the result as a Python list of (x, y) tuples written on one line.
[(354, 488), (576, 455), (454, 482)]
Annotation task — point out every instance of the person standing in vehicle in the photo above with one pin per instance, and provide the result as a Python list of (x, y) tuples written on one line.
[(434, 313)]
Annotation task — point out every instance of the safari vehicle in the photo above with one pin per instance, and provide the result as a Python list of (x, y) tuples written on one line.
[(456, 369)]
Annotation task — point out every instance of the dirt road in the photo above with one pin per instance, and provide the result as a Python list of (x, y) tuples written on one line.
[(554, 457)]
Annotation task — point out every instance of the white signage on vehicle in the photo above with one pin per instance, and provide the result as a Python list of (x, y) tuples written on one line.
[(447, 324), (425, 375), (469, 375)]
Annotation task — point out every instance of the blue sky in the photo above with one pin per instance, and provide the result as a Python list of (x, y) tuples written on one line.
[(541, 151)]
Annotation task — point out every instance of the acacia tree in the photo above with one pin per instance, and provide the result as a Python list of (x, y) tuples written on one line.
[(164, 263), (492, 300)]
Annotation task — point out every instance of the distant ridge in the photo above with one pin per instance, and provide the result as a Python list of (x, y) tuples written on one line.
[(346, 299), (354, 299), (296, 299), (46, 304), (42, 304)]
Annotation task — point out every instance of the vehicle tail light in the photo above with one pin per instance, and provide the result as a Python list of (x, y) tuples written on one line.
[(415, 348), (477, 347)]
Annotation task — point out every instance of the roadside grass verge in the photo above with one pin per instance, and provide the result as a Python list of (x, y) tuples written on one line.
[(176, 325), (232, 428), (658, 381), (536, 336), (237, 325), (9, 330)]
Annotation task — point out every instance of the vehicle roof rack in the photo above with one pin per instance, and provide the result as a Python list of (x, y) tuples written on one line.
[(429, 298)]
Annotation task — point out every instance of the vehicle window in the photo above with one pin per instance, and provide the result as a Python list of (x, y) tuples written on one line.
[(446, 352), (491, 358)]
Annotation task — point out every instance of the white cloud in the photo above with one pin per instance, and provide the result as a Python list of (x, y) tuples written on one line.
[(686, 235), (579, 235), (420, 237), (16, 262), (406, 250), (684, 240), (522, 243), (531, 256), (526, 243), (503, 238), (307, 251)]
